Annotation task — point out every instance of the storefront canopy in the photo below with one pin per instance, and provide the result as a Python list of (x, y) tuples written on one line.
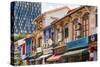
[(54, 58), (43, 56), (29, 58), (74, 52)]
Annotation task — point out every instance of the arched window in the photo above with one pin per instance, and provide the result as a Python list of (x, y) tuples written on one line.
[(39, 42), (66, 32), (76, 29), (85, 22), (59, 34)]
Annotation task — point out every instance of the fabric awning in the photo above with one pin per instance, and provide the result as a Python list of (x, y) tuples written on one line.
[(28, 58), (43, 56), (74, 52), (54, 58)]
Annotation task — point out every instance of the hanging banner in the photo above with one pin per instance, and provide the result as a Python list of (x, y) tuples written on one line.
[(21, 48), (22, 51), (28, 43)]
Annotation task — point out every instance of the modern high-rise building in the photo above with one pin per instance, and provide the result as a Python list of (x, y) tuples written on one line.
[(22, 15)]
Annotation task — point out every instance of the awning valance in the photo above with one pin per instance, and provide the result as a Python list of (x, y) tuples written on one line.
[(74, 52), (54, 58), (43, 56)]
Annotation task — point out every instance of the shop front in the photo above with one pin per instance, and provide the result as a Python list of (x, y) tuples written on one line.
[(29, 60), (39, 46), (92, 47), (46, 53), (32, 62), (39, 53), (58, 45), (42, 59), (25, 51), (56, 57), (76, 56), (48, 42), (77, 51)]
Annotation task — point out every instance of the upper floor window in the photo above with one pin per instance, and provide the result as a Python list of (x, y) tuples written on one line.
[(59, 34), (96, 16), (77, 30), (66, 31), (85, 22), (39, 42)]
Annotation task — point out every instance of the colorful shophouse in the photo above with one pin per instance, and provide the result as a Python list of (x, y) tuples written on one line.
[(49, 18), (74, 29), (25, 47), (38, 38)]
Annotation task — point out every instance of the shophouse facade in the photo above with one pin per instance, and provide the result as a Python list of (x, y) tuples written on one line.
[(68, 39), (72, 38), (38, 38), (75, 28), (50, 17), (45, 31)]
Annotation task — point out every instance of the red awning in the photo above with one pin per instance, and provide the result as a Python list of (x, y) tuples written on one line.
[(54, 58)]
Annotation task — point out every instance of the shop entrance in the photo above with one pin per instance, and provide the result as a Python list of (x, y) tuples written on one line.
[(78, 57)]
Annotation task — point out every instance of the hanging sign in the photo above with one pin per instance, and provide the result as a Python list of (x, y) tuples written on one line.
[(92, 38)]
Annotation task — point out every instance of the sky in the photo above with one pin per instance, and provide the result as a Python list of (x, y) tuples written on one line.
[(51, 6)]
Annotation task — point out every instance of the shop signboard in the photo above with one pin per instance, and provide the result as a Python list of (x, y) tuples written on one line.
[(47, 51), (20, 42), (39, 49), (92, 38), (28, 43), (83, 42), (59, 50)]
